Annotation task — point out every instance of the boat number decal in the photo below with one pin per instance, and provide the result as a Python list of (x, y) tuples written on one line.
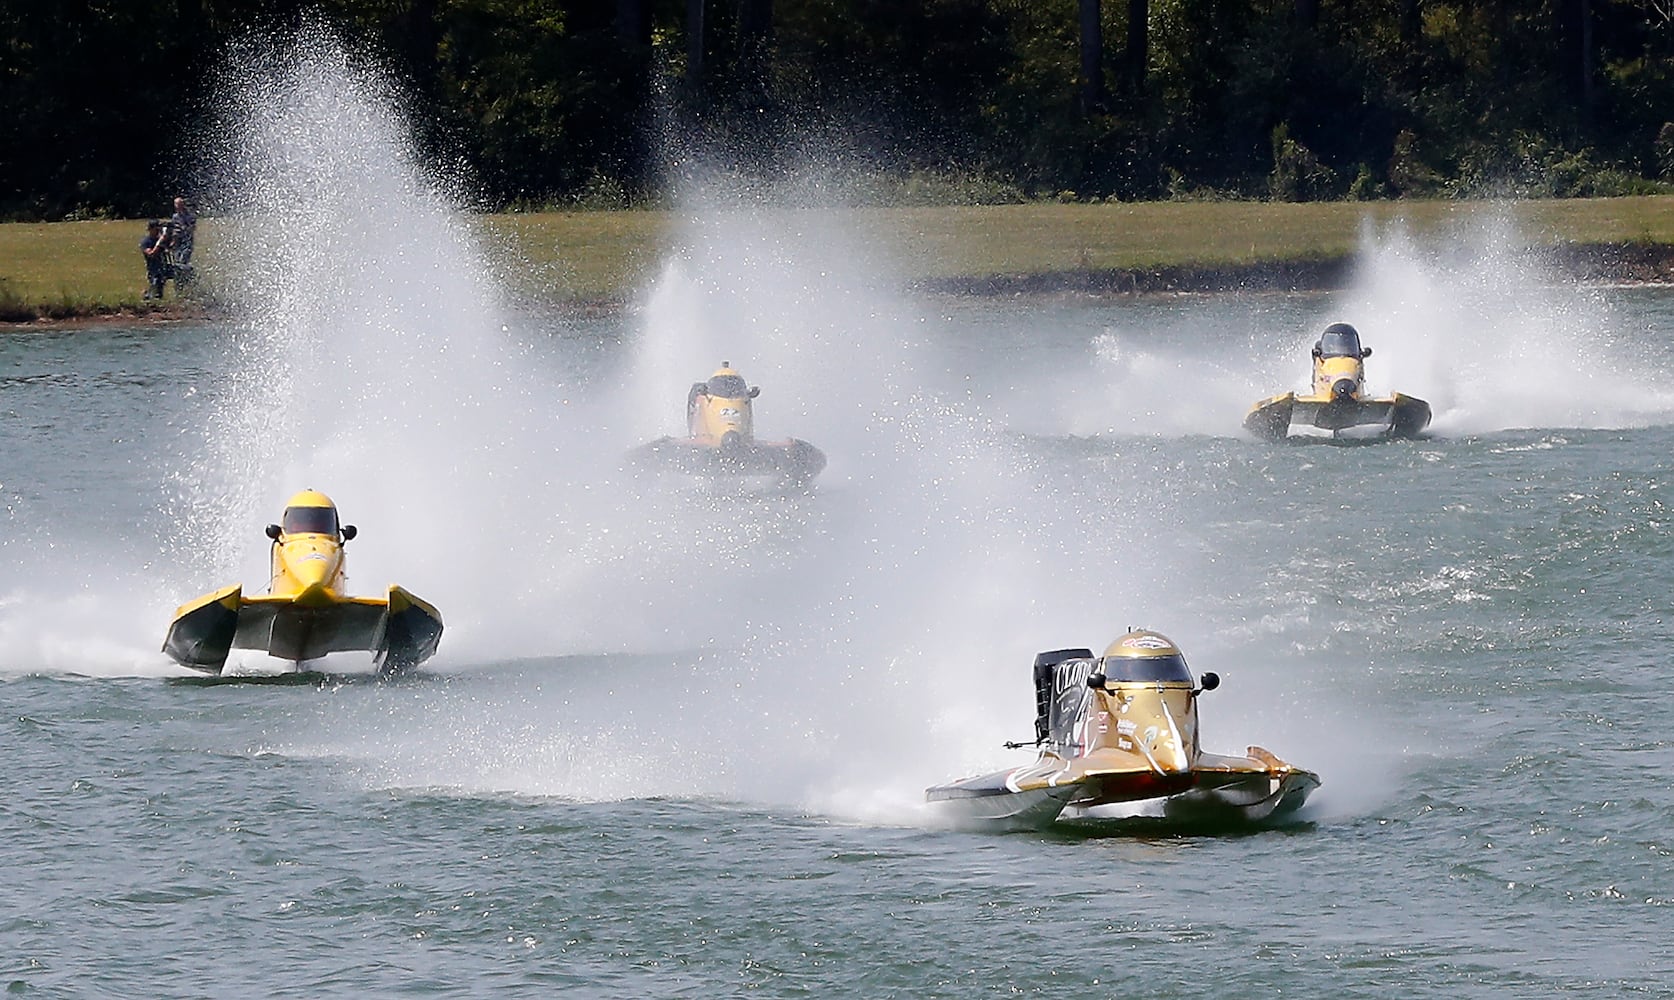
[(1146, 642), (730, 414)]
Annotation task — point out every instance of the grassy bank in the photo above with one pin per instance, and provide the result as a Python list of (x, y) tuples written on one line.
[(87, 268)]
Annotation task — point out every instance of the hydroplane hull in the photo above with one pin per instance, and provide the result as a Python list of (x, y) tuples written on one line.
[(1398, 415), (1220, 789), (1118, 733), (401, 631), (790, 460)]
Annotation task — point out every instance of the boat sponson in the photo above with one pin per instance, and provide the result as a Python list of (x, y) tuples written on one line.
[(1254, 787), (412, 631), (994, 801), (1270, 418), (202, 632)]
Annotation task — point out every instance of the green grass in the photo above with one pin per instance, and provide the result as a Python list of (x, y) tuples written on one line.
[(67, 269), (1036, 239), (83, 268)]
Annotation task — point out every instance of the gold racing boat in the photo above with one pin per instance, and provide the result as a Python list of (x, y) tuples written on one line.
[(1122, 728)]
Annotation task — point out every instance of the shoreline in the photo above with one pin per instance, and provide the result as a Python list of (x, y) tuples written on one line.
[(1647, 264), (1601, 263)]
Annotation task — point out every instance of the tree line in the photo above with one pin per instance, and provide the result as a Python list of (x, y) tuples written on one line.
[(604, 102)]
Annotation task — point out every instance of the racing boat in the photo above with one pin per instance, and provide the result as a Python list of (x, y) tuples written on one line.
[(721, 439), (304, 615), (1122, 729), (1338, 400)]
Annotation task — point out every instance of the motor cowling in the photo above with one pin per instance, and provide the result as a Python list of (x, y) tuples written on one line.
[(1046, 685)]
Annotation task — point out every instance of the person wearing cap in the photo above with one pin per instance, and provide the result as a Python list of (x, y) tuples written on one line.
[(157, 269)]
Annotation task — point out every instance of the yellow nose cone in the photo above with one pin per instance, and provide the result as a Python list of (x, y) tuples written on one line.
[(310, 566)]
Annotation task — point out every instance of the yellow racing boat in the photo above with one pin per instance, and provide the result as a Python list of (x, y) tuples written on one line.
[(1122, 730), (1338, 400), (721, 438), (305, 614)]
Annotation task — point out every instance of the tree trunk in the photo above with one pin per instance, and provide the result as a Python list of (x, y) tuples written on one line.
[(1575, 33), (1092, 57), (1139, 45), (694, 42), (1412, 23), (633, 21), (755, 40)]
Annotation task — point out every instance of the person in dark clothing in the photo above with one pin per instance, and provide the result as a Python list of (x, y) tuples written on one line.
[(157, 268)]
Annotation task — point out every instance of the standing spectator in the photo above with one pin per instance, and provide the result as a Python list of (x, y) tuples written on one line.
[(180, 233), (183, 229), (157, 269)]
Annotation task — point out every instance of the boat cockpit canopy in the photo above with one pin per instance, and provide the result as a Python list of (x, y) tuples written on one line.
[(310, 520), (1146, 669), (727, 386), (1339, 341)]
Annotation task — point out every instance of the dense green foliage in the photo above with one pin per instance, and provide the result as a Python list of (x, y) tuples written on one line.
[(602, 102)]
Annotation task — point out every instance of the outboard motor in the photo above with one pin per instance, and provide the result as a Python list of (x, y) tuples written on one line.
[(1045, 685)]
